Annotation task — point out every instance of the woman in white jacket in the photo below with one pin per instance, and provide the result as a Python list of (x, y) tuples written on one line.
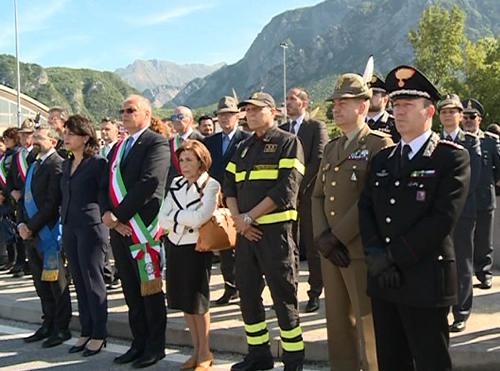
[(190, 202)]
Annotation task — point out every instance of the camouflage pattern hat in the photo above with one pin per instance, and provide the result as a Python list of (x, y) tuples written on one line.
[(228, 104), (351, 85), (28, 126), (259, 99), (450, 101)]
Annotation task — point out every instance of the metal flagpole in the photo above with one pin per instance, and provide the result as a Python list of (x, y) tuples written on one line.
[(17, 68), (284, 45)]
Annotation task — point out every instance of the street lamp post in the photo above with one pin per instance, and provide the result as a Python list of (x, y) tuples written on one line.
[(17, 68), (284, 46)]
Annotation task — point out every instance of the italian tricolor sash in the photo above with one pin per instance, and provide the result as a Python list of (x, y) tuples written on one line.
[(175, 144), (146, 247), (3, 172), (22, 163)]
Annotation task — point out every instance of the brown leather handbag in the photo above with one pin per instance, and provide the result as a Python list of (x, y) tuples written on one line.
[(219, 232)]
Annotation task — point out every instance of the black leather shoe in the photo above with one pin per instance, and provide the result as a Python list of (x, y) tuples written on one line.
[(78, 348), (57, 338), (253, 363), (131, 355), (312, 305), (88, 352), (227, 297), (40, 334), (457, 326), (113, 284), (18, 274), (485, 284), (148, 359)]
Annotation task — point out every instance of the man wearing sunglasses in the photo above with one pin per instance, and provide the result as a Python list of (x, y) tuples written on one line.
[(485, 193), (182, 120)]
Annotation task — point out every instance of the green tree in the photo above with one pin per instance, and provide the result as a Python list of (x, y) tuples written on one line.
[(438, 43)]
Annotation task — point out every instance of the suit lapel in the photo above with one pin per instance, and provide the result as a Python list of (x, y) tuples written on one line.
[(135, 147)]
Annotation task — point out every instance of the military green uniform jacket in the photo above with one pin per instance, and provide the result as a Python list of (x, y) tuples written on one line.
[(340, 181)]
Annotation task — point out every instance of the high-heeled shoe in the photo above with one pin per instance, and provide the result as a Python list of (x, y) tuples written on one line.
[(88, 352), (78, 348), (206, 364), (190, 363)]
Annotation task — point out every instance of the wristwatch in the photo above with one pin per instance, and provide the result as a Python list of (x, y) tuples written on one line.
[(247, 219)]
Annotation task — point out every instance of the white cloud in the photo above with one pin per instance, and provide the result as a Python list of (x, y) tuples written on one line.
[(168, 15)]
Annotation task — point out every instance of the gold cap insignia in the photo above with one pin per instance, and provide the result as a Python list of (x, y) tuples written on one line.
[(404, 74)]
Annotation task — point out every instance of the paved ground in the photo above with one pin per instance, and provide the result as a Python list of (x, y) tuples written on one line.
[(478, 348)]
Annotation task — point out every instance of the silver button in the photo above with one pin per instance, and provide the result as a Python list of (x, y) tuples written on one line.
[(332, 198), (440, 257), (387, 239), (388, 220), (354, 167), (420, 186), (376, 184), (332, 213), (336, 169), (396, 183), (392, 201), (334, 184)]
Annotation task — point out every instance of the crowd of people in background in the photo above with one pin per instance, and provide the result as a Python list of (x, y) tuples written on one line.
[(393, 219)]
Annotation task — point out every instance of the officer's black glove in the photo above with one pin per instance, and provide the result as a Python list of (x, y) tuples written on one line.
[(332, 249), (378, 262), (390, 278)]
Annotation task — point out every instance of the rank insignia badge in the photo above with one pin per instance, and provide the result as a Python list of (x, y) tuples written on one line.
[(270, 148), (360, 154)]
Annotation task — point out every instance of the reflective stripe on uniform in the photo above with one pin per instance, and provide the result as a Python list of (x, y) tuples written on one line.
[(257, 333), (291, 340), (231, 167), (290, 163), (282, 216)]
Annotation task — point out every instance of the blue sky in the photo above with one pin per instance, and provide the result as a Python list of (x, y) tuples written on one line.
[(107, 34)]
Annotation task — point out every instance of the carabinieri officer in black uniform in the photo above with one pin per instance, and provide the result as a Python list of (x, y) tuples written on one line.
[(411, 202), (261, 186)]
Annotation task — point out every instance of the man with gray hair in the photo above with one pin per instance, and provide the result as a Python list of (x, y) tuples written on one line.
[(136, 184), (183, 121), (56, 119)]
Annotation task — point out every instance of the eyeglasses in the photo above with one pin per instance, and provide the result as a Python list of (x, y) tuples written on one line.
[(177, 117), (470, 117), (129, 111)]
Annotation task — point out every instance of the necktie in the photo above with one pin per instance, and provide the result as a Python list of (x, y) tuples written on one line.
[(225, 143), (36, 165), (405, 159), (293, 128), (370, 122), (128, 145), (449, 138)]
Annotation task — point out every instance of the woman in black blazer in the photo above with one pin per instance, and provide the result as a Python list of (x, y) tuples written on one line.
[(84, 235)]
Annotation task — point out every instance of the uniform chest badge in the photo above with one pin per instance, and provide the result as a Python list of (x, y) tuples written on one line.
[(354, 178), (421, 196), (423, 173), (359, 154), (270, 148), (382, 173), (244, 152)]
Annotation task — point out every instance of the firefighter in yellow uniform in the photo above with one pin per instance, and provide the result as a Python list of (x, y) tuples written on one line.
[(261, 187), (339, 183)]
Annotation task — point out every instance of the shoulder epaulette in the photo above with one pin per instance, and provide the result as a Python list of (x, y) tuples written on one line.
[(379, 133), (451, 144), (470, 134), (492, 135)]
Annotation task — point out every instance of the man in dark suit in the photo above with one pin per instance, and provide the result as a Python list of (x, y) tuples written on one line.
[(143, 164), (44, 190), (183, 122), (485, 193), (410, 204), (56, 119), (450, 114), (222, 146), (378, 118), (313, 136), (16, 179)]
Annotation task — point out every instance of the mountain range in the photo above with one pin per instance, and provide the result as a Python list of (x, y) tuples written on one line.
[(332, 37), (160, 81)]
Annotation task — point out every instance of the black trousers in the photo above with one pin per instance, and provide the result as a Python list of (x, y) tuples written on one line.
[(464, 251), (110, 273), (227, 269), (274, 257), (306, 239), (84, 247), (147, 315), (483, 244), (54, 296), (410, 338)]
